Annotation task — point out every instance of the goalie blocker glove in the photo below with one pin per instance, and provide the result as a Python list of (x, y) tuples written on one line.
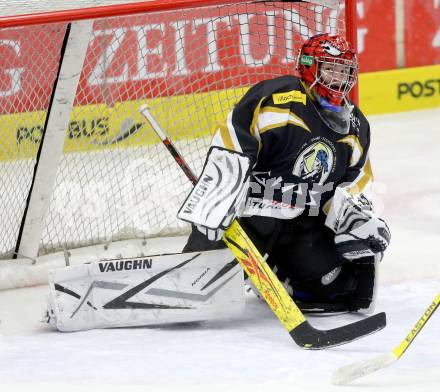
[(358, 232), (219, 193)]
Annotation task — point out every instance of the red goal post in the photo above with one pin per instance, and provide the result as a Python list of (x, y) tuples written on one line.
[(82, 175)]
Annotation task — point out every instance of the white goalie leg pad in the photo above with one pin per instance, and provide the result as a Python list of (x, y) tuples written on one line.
[(219, 191), (144, 291)]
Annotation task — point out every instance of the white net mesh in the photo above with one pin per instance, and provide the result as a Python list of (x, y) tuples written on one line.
[(116, 180)]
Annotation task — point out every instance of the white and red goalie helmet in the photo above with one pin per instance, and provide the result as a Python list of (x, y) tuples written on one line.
[(328, 65)]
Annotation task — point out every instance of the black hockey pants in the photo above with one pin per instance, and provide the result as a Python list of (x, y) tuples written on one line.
[(301, 251)]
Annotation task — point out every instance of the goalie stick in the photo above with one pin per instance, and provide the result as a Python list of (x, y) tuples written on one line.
[(351, 372), (267, 283)]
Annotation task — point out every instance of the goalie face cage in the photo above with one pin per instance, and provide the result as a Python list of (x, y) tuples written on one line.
[(79, 165)]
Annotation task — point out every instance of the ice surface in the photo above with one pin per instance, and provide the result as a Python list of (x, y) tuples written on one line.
[(253, 352)]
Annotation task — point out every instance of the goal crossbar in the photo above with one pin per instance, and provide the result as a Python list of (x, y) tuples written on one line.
[(103, 11)]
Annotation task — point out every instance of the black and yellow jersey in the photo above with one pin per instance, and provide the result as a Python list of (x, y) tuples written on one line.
[(298, 159)]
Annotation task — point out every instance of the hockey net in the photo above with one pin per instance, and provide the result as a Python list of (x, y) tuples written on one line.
[(112, 180)]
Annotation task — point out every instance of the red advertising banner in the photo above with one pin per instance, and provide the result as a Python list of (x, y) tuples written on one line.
[(163, 54), (28, 66), (376, 37), (422, 32), (146, 56)]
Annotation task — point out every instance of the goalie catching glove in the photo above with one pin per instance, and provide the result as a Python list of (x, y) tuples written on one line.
[(358, 232), (219, 192)]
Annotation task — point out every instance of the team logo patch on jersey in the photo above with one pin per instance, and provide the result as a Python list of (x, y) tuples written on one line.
[(315, 162), (290, 96)]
